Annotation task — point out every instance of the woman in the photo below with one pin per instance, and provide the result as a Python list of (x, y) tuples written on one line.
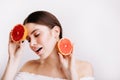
[(44, 31)]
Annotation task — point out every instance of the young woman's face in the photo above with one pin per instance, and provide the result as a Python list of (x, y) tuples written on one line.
[(42, 40)]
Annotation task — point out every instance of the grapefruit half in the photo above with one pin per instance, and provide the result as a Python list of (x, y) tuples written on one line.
[(65, 46), (19, 33)]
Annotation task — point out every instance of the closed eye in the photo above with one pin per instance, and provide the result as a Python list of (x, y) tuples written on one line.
[(37, 35)]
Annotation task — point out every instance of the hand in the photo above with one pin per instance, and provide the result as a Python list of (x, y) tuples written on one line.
[(69, 66), (14, 48), (65, 61)]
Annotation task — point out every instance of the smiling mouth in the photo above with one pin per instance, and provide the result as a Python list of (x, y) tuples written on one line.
[(39, 49)]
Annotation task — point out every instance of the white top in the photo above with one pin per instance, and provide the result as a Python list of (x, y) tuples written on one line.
[(32, 76)]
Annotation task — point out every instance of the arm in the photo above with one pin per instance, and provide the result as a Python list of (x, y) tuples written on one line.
[(14, 51), (11, 69)]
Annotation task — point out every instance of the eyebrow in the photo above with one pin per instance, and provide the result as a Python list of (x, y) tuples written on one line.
[(33, 31)]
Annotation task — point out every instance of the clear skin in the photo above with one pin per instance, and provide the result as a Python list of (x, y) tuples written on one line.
[(51, 62)]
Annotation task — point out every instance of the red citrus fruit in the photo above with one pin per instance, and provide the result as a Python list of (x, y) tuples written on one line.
[(19, 33), (65, 46)]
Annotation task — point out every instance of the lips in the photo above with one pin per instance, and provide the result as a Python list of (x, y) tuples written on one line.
[(38, 50)]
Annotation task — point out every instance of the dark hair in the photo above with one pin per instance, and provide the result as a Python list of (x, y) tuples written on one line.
[(44, 18)]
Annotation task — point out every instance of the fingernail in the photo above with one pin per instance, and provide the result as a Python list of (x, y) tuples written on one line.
[(22, 41)]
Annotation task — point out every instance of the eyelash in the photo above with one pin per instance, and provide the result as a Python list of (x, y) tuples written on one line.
[(37, 35)]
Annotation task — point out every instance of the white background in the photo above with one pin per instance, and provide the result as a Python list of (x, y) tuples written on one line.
[(92, 25)]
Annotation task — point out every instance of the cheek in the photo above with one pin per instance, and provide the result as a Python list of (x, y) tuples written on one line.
[(44, 39), (49, 41)]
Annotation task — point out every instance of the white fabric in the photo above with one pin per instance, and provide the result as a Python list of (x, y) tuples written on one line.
[(87, 78), (31, 76)]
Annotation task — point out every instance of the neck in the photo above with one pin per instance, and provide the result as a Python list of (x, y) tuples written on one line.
[(52, 60)]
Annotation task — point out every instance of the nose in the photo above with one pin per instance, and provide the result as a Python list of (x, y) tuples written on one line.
[(33, 43)]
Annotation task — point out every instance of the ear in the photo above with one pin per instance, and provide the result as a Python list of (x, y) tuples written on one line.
[(56, 31)]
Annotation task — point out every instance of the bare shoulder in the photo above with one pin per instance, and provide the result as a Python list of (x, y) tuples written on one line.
[(29, 66), (84, 68)]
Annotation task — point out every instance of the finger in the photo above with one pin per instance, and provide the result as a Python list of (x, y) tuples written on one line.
[(72, 47), (61, 57), (72, 63), (10, 40), (65, 56), (22, 41), (19, 48), (22, 44)]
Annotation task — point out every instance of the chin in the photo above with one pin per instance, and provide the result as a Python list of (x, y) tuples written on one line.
[(42, 57)]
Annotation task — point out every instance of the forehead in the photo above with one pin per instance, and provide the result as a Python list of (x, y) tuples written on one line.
[(31, 26)]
